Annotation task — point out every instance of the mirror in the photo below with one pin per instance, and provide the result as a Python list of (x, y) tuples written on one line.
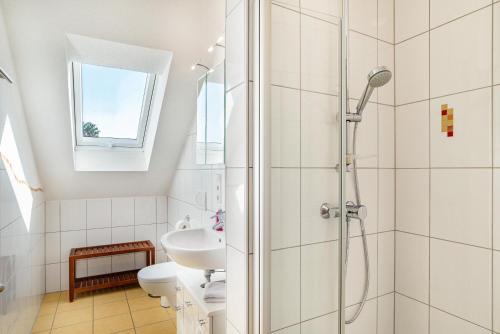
[(210, 122)]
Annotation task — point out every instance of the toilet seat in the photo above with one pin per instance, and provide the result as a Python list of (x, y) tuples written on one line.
[(165, 272)]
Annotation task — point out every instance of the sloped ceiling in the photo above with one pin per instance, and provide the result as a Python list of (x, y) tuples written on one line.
[(37, 31)]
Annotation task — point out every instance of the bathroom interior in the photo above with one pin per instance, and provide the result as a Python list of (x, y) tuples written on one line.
[(250, 166)]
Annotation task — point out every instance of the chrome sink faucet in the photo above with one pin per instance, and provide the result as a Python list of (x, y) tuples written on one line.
[(220, 220)]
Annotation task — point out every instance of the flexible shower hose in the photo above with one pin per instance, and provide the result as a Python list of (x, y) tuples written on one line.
[(363, 232)]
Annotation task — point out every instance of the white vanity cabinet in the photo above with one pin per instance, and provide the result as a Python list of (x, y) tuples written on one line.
[(194, 316)]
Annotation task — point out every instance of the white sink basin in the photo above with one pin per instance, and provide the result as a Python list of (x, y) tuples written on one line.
[(198, 248)]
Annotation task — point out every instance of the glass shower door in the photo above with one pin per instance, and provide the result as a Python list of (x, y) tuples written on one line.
[(306, 131)]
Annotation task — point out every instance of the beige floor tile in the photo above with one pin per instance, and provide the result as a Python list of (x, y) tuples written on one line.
[(135, 292), (149, 316), (164, 327), (51, 297), (144, 302), (103, 297), (128, 331), (68, 318), (110, 309), (43, 323), (83, 328), (47, 308), (113, 324), (78, 303)]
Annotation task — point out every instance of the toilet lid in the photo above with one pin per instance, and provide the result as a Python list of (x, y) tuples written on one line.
[(159, 273)]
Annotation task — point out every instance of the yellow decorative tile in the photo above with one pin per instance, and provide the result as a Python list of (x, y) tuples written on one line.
[(164, 327), (110, 309), (72, 317), (43, 323), (113, 324), (135, 292), (107, 297), (83, 328), (142, 303)]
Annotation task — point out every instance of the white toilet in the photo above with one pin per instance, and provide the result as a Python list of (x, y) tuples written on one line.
[(159, 280)]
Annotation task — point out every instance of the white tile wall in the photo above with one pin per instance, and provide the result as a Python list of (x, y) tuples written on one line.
[(362, 59), (367, 150), (443, 323), (285, 207), (319, 56), (461, 205), (471, 143), (235, 46), (92, 222), (412, 266), (411, 18), (496, 126), (285, 45), (314, 192), (386, 20), (319, 279), (285, 288), (461, 281), (356, 270), (385, 260), (385, 323), (52, 214), (331, 8), (496, 291), (236, 291), (496, 209), (236, 127), (443, 11), (285, 123), (412, 201), (319, 125), (412, 69), (367, 320), (464, 41), (363, 16), (98, 213), (412, 135), (386, 58), (386, 200), (305, 111), (123, 211), (412, 317), (496, 44), (73, 215), (326, 324), (459, 62)]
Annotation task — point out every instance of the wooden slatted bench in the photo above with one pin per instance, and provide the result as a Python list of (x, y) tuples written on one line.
[(91, 283)]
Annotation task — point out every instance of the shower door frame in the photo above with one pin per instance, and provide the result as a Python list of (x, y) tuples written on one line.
[(260, 314)]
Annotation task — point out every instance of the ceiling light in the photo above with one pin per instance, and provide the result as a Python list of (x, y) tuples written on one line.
[(220, 39), (211, 48)]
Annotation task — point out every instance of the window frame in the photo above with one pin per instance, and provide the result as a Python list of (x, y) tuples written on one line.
[(109, 142)]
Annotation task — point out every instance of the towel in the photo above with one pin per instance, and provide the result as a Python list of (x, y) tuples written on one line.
[(215, 292)]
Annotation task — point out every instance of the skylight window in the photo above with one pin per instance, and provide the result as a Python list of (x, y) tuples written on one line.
[(111, 105)]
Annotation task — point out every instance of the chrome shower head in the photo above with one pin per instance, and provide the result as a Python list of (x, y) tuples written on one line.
[(377, 77)]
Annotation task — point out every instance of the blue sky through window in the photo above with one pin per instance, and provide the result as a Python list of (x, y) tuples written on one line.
[(112, 99)]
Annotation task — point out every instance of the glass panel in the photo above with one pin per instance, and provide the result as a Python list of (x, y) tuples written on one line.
[(112, 101), (305, 153)]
